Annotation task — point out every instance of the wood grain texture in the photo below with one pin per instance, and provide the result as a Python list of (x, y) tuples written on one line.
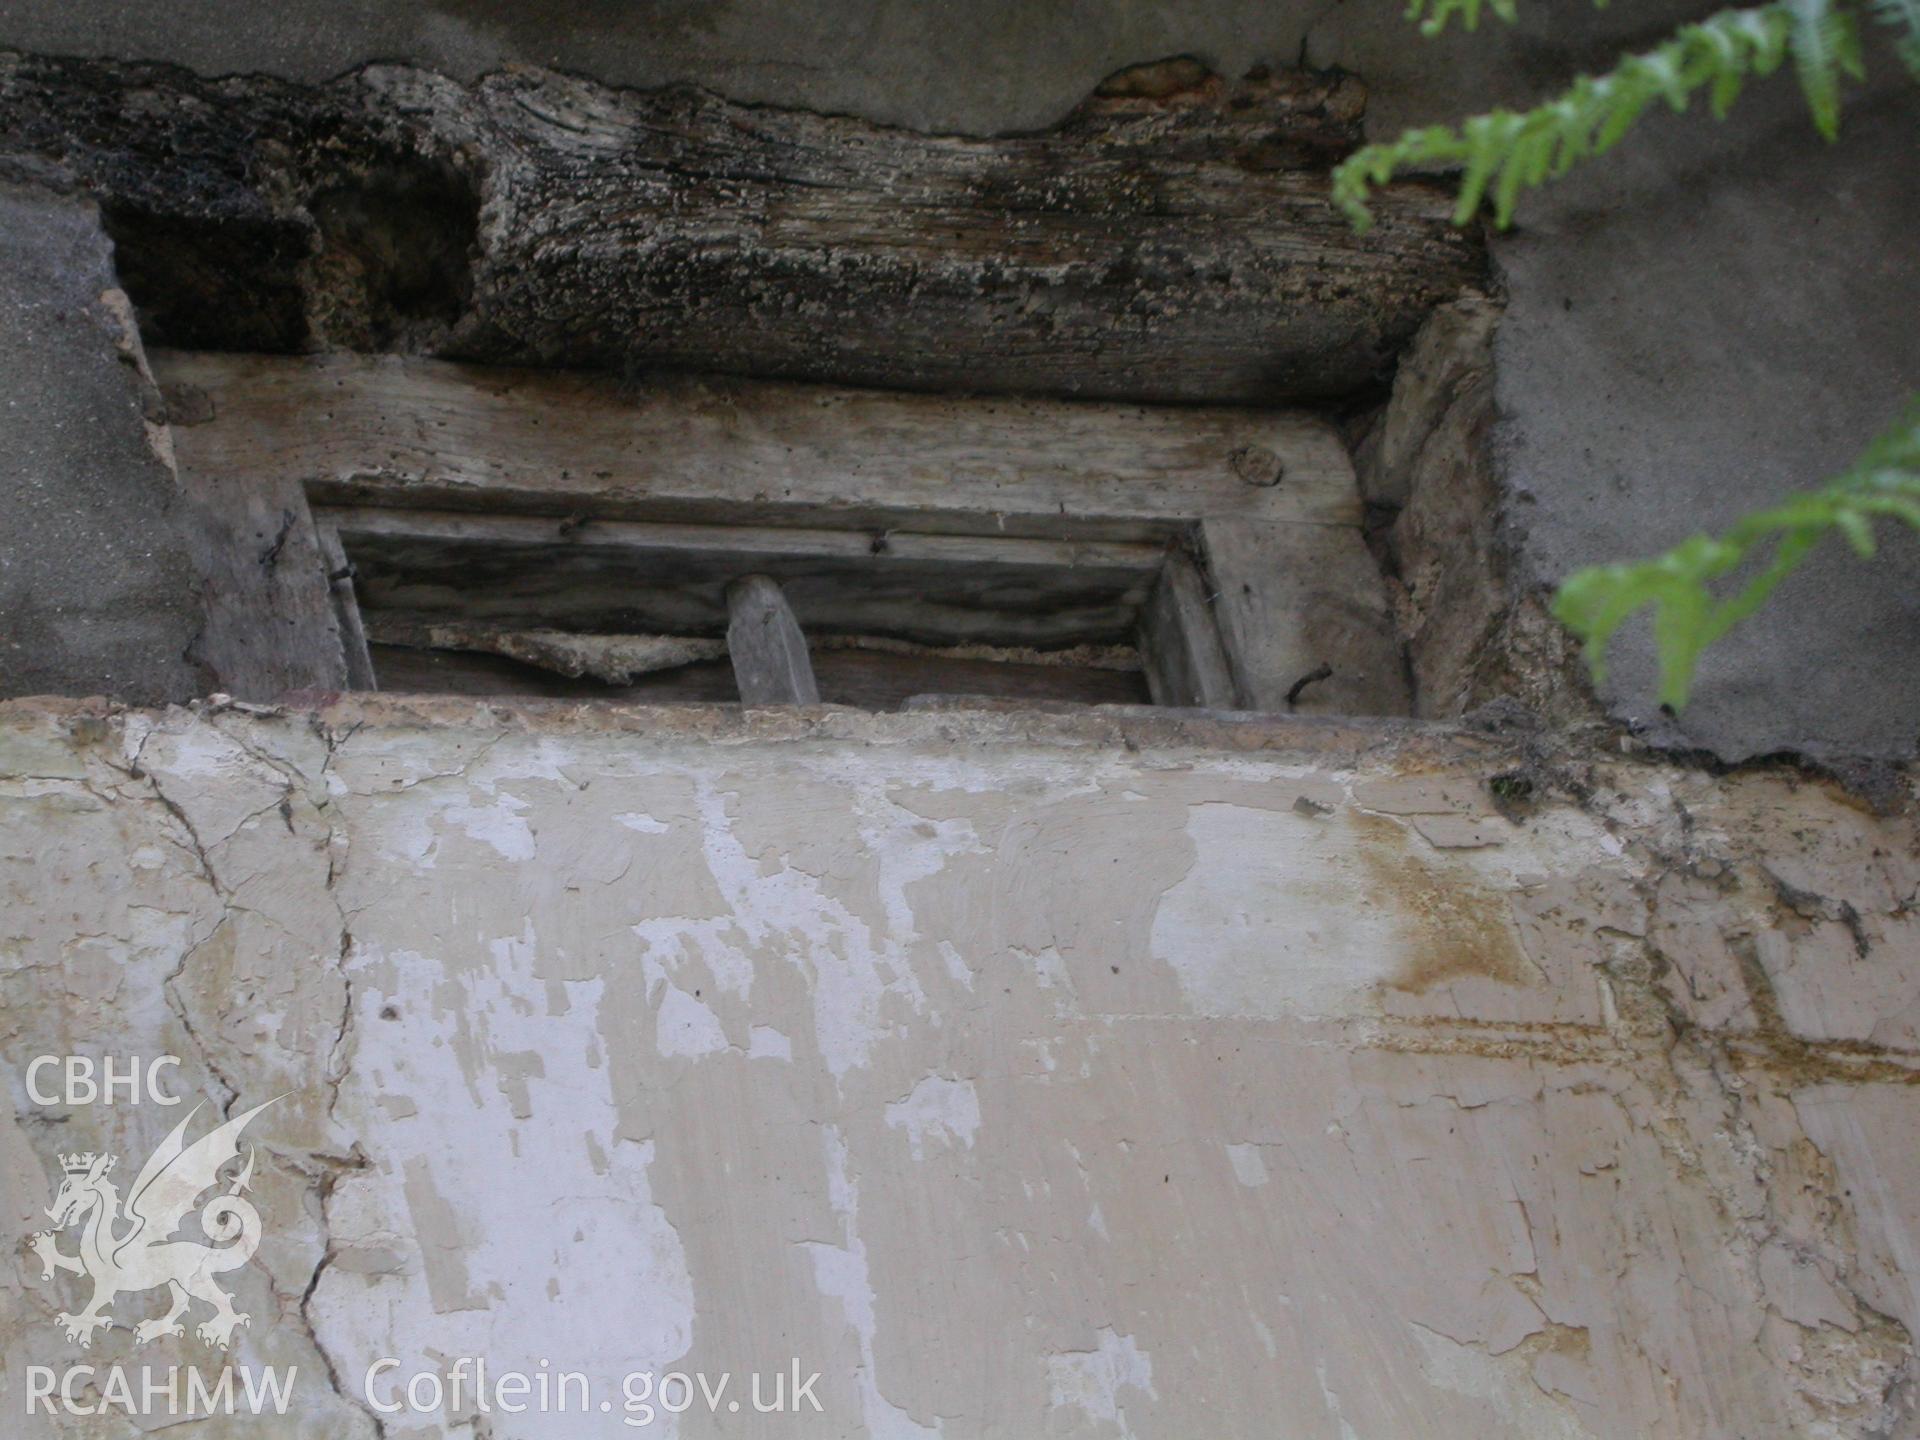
[(427, 434), (619, 576), (867, 679), (1166, 247)]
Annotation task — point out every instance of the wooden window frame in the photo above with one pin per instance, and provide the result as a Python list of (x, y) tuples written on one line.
[(1252, 517)]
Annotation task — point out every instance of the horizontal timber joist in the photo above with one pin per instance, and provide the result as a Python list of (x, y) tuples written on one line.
[(1170, 240), (429, 434)]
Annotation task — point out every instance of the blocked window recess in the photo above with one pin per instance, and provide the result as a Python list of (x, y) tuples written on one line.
[(491, 604), (473, 530)]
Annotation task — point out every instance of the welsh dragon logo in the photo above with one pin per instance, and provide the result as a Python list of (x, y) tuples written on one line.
[(126, 1251)]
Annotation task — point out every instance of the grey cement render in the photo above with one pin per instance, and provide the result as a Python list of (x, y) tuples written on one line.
[(96, 593), (972, 66), (1702, 325), (1703, 322)]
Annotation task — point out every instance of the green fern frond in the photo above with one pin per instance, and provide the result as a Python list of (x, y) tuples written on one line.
[(1688, 615), (1825, 41), (1438, 12), (1904, 16), (1504, 152)]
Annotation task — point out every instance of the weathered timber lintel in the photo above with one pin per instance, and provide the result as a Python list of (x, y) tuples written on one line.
[(1151, 247)]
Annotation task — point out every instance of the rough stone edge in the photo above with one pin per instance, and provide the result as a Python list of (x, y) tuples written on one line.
[(1443, 508)]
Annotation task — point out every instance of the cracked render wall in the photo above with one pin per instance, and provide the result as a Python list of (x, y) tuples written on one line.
[(1094, 1075)]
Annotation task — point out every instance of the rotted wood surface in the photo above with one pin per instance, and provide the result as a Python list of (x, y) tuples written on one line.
[(272, 623), (414, 669), (1166, 242)]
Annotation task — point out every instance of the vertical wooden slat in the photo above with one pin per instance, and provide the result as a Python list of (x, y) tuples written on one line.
[(1180, 643), (769, 651), (346, 610)]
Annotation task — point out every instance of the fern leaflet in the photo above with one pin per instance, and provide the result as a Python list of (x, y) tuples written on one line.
[(1904, 16), (1688, 615), (1825, 41), (1440, 11), (1504, 151), (1436, 13)]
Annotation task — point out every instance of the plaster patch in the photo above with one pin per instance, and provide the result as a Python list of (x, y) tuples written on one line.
[(1248, 1167), (686, 1027), (501, 825), (1091, 1381), (841, 1273), (939, 1106), (766, 1043), (1470, 1371)]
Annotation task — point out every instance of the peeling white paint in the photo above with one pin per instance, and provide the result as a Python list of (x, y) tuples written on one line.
[(842, 1274), (939, 1106), (686, 1027), (766, 1043), (1023, 1088)]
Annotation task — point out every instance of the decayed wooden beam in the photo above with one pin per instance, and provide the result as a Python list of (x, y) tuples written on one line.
[(526, 572), (433, 435), (769, 651), (1167, 243), (1186, 665)]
